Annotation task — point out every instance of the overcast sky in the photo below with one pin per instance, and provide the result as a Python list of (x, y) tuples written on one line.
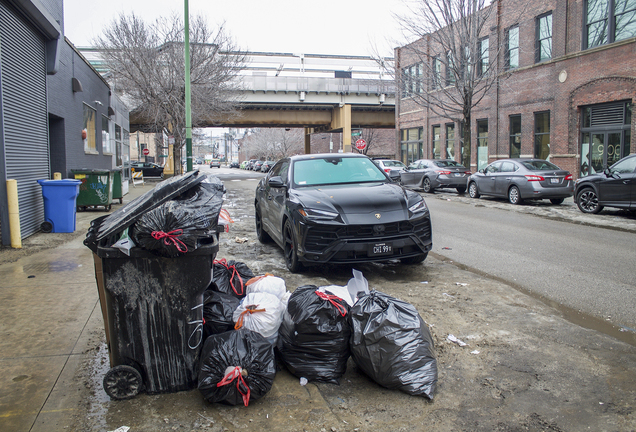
[(345, 27)]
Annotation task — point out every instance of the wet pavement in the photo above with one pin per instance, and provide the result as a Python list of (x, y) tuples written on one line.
[(525, 367)]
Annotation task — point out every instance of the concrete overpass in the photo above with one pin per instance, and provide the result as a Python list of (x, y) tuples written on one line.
[(320, 93)]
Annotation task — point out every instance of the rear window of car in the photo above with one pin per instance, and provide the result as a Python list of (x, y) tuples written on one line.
[(336, 170), (448, 163), (540, 165), (393, 163)]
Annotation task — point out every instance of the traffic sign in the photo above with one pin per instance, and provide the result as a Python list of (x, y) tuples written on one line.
[(356, 132), (361, 144), (146, 152)]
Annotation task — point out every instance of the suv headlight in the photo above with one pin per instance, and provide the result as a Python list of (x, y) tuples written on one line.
[(314, 214), (418, 207)]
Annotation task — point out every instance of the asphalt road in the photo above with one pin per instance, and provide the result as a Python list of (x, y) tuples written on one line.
[(587, 268)]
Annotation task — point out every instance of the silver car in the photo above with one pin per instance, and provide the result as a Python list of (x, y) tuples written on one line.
[(431, 174), (522, 179)]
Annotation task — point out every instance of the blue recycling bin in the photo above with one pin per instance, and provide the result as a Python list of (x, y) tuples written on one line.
[(59, 205)]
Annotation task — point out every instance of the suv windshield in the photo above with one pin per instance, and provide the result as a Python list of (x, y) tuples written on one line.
[(336, 170)]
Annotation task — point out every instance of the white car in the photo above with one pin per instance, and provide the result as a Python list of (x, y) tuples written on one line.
[(388, 165)]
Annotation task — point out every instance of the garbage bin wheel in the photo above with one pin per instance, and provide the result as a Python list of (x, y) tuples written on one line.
[(46, 227), (122, 382), (108, 207)]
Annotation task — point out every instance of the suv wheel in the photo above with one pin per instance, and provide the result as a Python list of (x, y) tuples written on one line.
[(587, 201)]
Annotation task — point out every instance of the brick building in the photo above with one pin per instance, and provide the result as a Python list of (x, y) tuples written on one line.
[(564, 81)]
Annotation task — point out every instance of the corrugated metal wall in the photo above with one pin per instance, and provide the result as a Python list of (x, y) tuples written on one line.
[(23, 91)]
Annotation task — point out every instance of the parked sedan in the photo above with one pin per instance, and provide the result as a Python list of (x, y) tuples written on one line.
[(149, 169), (341, 208), (257, 165), (431, 174), (267, 165), (614, 187), (522, 179)]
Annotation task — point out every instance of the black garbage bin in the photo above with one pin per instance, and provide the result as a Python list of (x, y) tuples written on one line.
[(153, 313)]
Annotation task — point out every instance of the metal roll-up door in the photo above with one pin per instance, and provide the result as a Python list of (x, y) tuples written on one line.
[(24, 112)]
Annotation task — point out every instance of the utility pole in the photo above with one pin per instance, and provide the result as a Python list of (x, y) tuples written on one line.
[(188, 119)]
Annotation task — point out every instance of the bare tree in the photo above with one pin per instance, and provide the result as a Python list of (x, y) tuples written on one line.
[(455, 64), (274, 143), (147, 64)]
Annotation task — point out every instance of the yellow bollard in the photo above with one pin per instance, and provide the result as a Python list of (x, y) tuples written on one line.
[(14, 214), (57, 176)]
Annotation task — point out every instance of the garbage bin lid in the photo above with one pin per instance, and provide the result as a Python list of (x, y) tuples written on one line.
[(62, 182), (127, 215)]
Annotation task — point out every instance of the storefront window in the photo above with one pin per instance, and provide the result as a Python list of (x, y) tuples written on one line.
[(411, 145), (450, 141), (542, 135), (106, 141), (515, 136), (482, 144), (437, 146)]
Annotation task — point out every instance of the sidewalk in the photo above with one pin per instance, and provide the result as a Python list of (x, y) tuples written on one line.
[(47, 298)]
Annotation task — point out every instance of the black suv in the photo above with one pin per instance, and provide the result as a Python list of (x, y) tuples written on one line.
[(614, 187)]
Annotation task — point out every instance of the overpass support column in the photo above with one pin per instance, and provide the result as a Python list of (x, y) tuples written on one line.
[(308, 132), (342, 120)]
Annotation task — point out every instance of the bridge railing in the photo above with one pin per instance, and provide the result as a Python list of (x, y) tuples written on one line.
[(312, 84)]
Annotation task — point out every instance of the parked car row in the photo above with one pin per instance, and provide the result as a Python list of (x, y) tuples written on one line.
[(257, 165), (518, 180)]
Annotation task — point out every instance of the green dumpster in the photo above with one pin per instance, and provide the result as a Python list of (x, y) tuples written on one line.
[(96, 189), (118, 193)]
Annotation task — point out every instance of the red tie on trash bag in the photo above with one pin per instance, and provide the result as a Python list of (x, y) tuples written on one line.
[(235, 373), (248, 310), (332, 299), (223, 262), (170, 237)]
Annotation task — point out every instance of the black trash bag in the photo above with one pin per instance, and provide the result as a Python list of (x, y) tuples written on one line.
[(392, 344), (237, 367), (107, 228), (230, 277), (218, 309), (181, 225), (313, 339)]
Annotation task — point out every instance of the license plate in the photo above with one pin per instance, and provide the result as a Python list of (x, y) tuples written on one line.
[(458, 174), (381, 249), (554, 180)]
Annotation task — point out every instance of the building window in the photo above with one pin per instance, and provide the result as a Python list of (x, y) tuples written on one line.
[(437, 73), (600, 30), (482, 144), (412, 80), (118, 149), (512, 48), (542, 135), (484, 57), (543, 41), (411, 145), (450, 141), (106, 144), (605, 135), (624, 19), (437, 149), (89, 132), (515, 136), (450, 68)]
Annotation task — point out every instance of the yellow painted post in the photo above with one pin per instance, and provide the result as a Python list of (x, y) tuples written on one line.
[(14, 214), (346, 129), (57, 176)]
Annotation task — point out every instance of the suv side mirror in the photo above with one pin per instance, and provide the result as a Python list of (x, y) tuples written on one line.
[(276, 182)]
